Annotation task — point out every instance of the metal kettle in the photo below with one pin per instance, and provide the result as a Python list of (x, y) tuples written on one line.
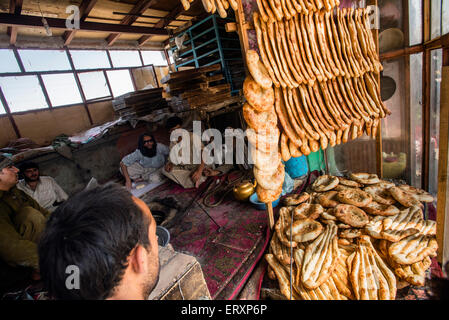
[(243, 190)]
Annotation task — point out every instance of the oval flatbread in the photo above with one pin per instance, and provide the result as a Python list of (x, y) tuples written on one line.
[(379, 209), (365, 178), (295, 199), (404, 198), (270, 181), (328, 199), (307, 210), (351, 215), (258, 70), (304, 230), (413, 249), (262, 100), (349, 183), (380, 194), (356, 197), (418, 194), (324, 183)]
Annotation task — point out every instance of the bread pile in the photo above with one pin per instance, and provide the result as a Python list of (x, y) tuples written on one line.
[(324, 67), (212, 6), (263, 133), (358, 238)]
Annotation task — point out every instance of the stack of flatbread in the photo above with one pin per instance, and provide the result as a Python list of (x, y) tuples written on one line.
[(352, 238), (263, 133), (324, 66)]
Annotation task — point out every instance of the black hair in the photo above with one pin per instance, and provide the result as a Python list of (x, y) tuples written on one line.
[(28, 165), (144, 150), (95, 231), (173, 122)]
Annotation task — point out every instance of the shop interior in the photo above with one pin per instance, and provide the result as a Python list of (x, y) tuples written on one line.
[(352, 94)]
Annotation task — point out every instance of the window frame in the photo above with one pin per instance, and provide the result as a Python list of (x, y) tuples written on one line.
[(75, 72)]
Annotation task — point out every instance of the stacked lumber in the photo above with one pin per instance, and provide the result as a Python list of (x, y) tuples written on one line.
[(196, 88), (139, 103), (356, 238)]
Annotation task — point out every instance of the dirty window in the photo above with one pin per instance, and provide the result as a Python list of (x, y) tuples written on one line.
[(14, 88), (8, 62), (94, 85), (120, 81), (62, 89), (125, 58), (44, 60), (156, 58), (90, 59)]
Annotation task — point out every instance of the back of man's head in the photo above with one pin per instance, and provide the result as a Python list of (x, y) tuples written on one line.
[(93, 232)]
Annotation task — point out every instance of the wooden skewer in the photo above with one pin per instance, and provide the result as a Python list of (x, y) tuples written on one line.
[(270, 215)]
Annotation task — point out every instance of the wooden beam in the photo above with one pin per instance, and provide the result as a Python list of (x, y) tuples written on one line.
[(85, 8), (426, 97), (15, 7), (139, 8), (34, 21), (164, 22), (401, 52), (443, 165)]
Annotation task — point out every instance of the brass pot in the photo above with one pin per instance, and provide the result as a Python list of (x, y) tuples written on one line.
[(243, 190)]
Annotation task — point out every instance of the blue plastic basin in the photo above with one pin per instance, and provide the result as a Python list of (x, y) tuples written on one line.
[(260, 205)]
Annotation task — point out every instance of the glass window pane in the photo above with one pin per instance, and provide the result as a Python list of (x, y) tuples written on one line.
[(94, 85), (396, 127), (14, 89), (445, 17), (435, 73), (120, 81), (391, 33), (62, 89), (416, 119), (90, 59), (125, 58), (415, 22), (44, 60), (435, 23), (8, 62), (156, 58)]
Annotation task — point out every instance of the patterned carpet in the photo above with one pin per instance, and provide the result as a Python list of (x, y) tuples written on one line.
[(226, 257)]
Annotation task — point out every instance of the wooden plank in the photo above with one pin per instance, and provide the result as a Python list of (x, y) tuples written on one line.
[(426, 81), (55, 23), (85, 8), (15, 7), (379, 145), (443, 167), (187, 73), (391, 55)]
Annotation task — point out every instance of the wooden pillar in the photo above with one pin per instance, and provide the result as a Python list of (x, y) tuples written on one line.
[(443, 166), (426, 81), (379, 149)]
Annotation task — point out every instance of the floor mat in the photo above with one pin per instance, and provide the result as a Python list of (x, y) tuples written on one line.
[(224, 256)]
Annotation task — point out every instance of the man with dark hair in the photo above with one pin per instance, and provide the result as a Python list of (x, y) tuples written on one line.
[(100, 244), (44, 189), (145, 162), (22, 220)]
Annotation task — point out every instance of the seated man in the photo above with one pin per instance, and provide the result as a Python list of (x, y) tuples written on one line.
[(188, 175), (44, 189), (145, 162), (100, 244), (22, 220)]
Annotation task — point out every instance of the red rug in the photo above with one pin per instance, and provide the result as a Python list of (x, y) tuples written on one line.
[(226, 257)]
